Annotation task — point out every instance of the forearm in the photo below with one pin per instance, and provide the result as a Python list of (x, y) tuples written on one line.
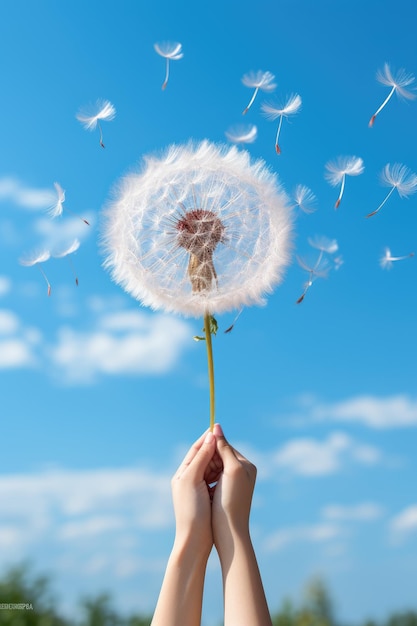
[(244, 597), (180, 598)]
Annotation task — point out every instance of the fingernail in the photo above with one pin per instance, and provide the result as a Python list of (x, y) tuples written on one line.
[(218, 430), (209, 437)]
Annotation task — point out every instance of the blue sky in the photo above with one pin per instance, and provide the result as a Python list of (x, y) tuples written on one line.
[(321, 395)]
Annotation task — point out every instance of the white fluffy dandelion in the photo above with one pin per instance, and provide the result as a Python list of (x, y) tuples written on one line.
[(338, 170), (258, 80), (36, 260), (398, 84), (199, 231), (170, 52), (388, 259), (291, 107), (242, 134), (398, 177), (91, 116), (57, 208)]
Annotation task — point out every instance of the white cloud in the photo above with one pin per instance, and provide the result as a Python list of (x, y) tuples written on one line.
[(376, 412), (129, 342), (321, 532), (363, 512), (5, 285), (311, 457), (9, 322), (15, 191), (405, 523), (16, 353)]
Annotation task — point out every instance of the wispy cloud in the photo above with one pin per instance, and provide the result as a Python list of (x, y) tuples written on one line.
[(68, 507), (397, 411), (363, 512), (321, 532), (123, 343), (310, 457), (16, 192), (5, 285), (404, 524)]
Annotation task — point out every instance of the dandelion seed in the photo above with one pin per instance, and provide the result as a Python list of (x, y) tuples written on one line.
[(232, 325), (304, 198), (339, 169), (57, 208), (322, 243), (338, 262), (397, 84), (36, 260), (258, 80), (90, 117), (202, 230), (73, 247), (319, 269), (399, 178), (242, 134), (170, 52), (387, 259), (291, 107)]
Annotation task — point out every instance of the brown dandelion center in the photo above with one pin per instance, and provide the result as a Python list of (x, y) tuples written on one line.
[(199, 232)]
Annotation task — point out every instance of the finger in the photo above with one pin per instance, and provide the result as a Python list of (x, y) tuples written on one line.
[(201, 461), (191, 453), (225, 450)]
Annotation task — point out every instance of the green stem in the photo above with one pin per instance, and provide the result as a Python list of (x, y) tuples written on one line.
[(207, 330)]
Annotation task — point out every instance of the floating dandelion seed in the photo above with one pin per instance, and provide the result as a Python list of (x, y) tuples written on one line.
[(397, 84), (258, 80), (73, 247), (304, 198), (397, 177), (200, 231), (387, 259), (57, 208), (291, 107), (339, 169), (320, 268), (170, 52), (242, 134), (37, 259), (90, 117)]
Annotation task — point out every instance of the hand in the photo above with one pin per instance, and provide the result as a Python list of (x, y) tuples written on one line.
[(192, 494), (233, 493)]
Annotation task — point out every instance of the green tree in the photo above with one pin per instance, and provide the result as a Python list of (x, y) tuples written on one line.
[(20, 587)]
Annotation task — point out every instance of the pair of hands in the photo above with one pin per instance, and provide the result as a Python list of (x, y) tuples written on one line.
[(212, 493)]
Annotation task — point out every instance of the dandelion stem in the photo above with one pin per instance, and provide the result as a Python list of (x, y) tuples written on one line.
[(251, 101), (165, 83), (342, 188), (382, 203), (207, 331), (387, 99), (277, 148)]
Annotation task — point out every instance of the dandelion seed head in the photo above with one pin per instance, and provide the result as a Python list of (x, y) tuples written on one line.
[(320, 242), (200, 229), (169, 50), (401, 80), (101, 110), (400, 177), (69, 249), (304, 198), (242, 133), (56, 209), (341, 167), (259, 80), (36, 257), (291, 107)]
